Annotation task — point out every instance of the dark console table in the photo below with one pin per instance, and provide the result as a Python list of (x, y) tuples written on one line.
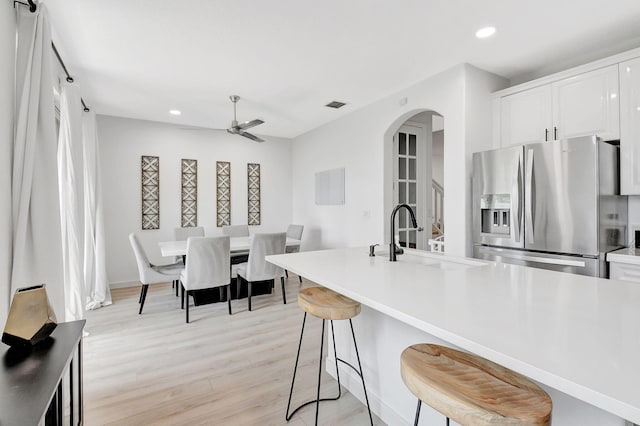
[(31, 384)]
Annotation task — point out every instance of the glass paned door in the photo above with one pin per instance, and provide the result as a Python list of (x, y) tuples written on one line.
[(407, 183)]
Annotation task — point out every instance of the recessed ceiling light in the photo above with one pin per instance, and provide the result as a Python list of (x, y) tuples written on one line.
[(485, 32), (174, 112)]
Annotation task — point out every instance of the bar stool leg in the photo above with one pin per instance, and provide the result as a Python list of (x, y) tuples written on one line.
[(355, 345), (320, 371), (415, 421), (295, 368)]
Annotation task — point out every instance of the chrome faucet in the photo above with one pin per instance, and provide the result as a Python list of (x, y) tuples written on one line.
[(393, 248)]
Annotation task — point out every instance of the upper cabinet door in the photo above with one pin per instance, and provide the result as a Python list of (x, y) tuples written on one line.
[(630, 127), (526, 117), (587, 104)]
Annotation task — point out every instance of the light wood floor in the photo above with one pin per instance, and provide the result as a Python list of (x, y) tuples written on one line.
[(217, 370)]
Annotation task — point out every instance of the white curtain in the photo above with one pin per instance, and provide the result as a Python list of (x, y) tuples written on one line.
[(71, 191), (35, 209), (95, 269)]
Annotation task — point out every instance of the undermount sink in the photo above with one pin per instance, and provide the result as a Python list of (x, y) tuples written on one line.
[(433, 260)]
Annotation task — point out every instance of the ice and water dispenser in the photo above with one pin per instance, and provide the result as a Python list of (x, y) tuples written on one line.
[(495, 214)]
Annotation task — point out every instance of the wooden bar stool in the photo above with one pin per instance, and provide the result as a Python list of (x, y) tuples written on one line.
[(472, 390), (327, 305)]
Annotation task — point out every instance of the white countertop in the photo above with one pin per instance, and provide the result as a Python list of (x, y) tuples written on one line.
[(626, 255), (577, 334)]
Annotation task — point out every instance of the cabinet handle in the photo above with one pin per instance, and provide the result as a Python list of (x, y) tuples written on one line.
[(555, 133), (546, 134)]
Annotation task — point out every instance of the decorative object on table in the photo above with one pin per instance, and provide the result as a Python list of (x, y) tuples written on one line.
[(223, 193), (240, 128), (189, 193), (150, 167), (330, 187), (31, 318), (253, 189)]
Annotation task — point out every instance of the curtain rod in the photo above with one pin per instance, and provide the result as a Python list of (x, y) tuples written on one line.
[(69, 78), (32, 8), (31, 4)]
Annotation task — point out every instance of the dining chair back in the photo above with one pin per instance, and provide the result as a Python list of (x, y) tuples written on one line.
[(208, 265), (149, 273), (295, 232), (236, 230), (257, 268), (182, 234)]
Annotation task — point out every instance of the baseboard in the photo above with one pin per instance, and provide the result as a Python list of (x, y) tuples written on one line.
[(124, 284), (351, 381)]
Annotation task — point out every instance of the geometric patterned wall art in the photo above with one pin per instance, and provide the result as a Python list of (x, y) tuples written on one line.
[(253, 190), (150, 167), (223, 193), (189, 206)]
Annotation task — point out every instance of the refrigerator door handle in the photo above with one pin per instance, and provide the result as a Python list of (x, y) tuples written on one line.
[(517, 191), (547, 260), (530, 194)]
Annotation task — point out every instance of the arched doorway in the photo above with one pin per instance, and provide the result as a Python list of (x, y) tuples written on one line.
[(414, 175)]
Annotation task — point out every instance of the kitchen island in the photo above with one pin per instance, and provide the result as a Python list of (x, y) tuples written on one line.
[(577, 336)]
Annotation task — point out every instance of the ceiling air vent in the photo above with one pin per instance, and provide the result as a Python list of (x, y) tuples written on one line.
[(335, 104)]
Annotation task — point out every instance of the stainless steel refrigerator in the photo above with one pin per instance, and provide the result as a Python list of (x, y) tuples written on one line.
[(553, 205)]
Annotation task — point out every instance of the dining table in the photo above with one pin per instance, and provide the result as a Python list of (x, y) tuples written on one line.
[(239, 251), (237, 246)]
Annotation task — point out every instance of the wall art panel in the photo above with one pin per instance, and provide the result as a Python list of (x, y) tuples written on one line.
[(253, 190), (189, 206), (150, 177), (223, 193)]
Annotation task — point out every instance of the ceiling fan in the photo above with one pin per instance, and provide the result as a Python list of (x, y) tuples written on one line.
[(240, 128)]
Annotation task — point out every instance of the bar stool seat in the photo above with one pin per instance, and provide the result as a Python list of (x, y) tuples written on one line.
[(472, 390), (326, 304)]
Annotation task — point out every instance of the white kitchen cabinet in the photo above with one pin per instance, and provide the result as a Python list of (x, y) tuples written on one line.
[(580, 105), (587, 104), (525, 117), (624, 264), (624, 272), (630, 127)]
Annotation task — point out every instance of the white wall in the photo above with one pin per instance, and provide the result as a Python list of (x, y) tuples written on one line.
[(7, 63), (360, 141), (437, 156), (124, 141)]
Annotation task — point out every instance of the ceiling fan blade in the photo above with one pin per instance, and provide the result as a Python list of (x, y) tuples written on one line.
[(250, 136), (250, 124), (199, 128)]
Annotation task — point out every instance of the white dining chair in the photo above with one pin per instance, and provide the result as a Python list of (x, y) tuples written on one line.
[(257, 268), (208, 266), (236, 230), (149, 273), (183, 234), (295, 232)]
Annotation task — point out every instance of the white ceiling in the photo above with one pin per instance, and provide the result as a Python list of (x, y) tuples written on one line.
[(288, 58)]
